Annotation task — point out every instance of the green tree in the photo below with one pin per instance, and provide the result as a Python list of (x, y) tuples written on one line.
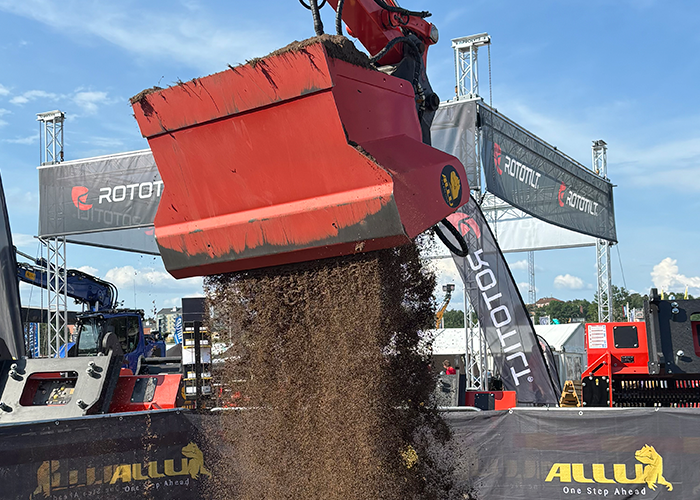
[(564, 311), (453, 319)]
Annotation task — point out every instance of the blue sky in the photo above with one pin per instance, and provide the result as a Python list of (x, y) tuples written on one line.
[(572, 71)]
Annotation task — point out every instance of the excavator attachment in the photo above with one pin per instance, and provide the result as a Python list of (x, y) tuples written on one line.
[(305, 154)]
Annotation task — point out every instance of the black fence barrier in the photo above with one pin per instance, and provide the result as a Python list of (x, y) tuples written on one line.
[(579, 453), (519, 454), (138, 455)]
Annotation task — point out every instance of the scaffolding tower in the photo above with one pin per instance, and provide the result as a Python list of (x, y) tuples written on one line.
[(602, 247), (54, 249), (467, 65), (467, 88)]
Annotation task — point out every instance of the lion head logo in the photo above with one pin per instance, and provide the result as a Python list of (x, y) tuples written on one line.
[(195, 464), (653, 471)]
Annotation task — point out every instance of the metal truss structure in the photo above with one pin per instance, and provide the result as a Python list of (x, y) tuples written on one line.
[(51, 143), (57, 301), (466, 64), (602, 247), (532, 292), (51, 136), (467, 88)]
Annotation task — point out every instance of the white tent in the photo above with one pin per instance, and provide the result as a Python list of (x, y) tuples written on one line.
[(567, 343)]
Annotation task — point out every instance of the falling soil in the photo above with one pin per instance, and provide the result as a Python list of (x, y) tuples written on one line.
[(332, 389)]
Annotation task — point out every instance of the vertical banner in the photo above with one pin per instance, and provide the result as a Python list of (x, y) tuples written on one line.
[(502, 313), (178, 330), (541, 181), (11, 330), (33, 342)]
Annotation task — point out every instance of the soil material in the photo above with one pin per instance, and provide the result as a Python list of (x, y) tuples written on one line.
[(333, 392), (337, 47)]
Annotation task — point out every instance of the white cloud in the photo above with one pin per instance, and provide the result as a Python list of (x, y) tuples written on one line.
[(569, 282), (3, 123), (33, 95), (32, 139), (23, 240), (88, 101), (665, 276), (148, 278), (22, 200), (171, 302), (446, 272), (4, 90), (88, 270), (519, 265), (194, 35), (3, 111)]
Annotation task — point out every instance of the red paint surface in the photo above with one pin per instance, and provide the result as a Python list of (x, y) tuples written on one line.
[(165, 397), (503, 400), (640, 354)]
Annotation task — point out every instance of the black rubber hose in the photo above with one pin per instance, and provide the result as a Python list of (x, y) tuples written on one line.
[(318, 24), (460, 252), (309, 6), (339, 18), (422, 14), (412, 46)]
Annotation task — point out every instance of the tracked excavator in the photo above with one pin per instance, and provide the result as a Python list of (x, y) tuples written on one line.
[(314, 151)]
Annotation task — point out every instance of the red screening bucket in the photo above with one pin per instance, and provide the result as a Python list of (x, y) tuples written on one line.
[(306, 154)]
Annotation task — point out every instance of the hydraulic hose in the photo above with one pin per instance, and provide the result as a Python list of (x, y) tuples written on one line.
[(463, 251)]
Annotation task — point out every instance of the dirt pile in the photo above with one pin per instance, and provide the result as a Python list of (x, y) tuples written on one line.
[(337, 394)]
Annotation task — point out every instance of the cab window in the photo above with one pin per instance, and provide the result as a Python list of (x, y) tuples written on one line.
[(126, 329), (88, 338)]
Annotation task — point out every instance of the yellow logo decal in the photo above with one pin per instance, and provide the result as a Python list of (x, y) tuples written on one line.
[(653, 472), (51, 479), (451, 186), (650, 471)]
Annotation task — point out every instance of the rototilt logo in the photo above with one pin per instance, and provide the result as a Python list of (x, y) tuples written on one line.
[(497, 158), (517, 170), (117, 194), (562, 190), (79, 195), (576, 201)]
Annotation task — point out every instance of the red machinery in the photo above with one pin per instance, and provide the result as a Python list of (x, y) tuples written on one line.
[(308, 153), (650, 363)]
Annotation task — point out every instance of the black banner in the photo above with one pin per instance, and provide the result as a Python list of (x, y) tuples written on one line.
[(453, 131), (11, 330), (539, 180), (501, 311), (122, 456), (109, 193), (580, 453), (520, 454)]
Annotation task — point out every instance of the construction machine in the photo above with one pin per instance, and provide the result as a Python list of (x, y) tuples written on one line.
[(100, 314), (314, 151), (448, 289), (87, 381), (652, 363)]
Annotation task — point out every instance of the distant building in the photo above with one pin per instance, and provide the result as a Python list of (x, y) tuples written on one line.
[(149, 325), (545, 301), (166, 319)]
